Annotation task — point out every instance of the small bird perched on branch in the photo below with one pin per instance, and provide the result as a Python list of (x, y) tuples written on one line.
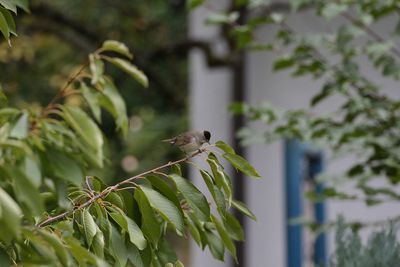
[(190, 141)]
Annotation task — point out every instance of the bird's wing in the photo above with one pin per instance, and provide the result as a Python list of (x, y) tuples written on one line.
[(183, 139)]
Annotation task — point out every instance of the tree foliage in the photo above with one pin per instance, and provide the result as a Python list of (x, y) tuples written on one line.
[(54, 212), (364, 122)]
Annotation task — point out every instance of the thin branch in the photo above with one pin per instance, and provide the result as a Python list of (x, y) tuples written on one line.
[(369, 31), (61, 93), (112, 188)]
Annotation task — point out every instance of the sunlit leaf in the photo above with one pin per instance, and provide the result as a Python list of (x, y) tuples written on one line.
[(243, 209), (20, 127), (118, 47), (241, 164), (131, 69)]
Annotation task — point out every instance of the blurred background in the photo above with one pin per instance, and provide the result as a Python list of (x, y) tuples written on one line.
[(196, 70)]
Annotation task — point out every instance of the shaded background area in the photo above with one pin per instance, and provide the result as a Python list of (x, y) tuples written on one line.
[(57, 36)]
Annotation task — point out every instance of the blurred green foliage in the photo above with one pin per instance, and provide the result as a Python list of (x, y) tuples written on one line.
[(56, 36)]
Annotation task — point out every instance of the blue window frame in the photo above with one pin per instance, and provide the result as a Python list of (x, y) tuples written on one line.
[(302, 164)]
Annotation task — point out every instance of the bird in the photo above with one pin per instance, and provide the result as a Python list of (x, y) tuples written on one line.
[(190, 141)]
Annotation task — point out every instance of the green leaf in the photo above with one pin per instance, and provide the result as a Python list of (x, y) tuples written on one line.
[(84, 127), (192, 4), (91, 96), (10, 21), (226, 239), (11, 215), (215, 245), (115, 199), (221, 179), (118, 248), (89, 226), (243, 209), (118, 47), (96, 66), (150, 226), (64, 167), (233, 227), (284, 63), (135, 234), (9, 4), (196, 200), (81, 254), (241, 164), (179, 264), (224, 147), (4, 27), (165, 252), (134, 256), (163, 187), (26, 192), (176, 169), (112, 101), (20, 127), (59, 248), (165, 207), (5, 259), (17, 145), (32, 171), (98, 243), (132, 70), (194, 231)]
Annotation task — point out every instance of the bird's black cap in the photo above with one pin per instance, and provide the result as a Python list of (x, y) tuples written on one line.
[(207, 135)]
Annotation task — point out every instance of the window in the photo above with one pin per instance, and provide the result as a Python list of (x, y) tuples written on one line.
[(302, 165)]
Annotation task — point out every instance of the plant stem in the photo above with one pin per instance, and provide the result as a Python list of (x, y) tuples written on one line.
[(112, 188)]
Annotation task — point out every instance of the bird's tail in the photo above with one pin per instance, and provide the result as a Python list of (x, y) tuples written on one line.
[(170, 140)]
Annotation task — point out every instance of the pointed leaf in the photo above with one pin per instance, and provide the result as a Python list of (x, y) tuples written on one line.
[(225, 147), (241, 164), (64, 167), (233, 227), (118, 47), (59, 248), (91, 96), (224, 236), (165, 207), (135, 234), (98, 243), (96, 66), (4, 27), (89, 226), (118, 248), (132, 70), (215, 245), (150, 225), (10, 21), (84, 127), (112, 101), (20, 128), (11, 214), (196, 200), (163, 187), (243, 209)]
